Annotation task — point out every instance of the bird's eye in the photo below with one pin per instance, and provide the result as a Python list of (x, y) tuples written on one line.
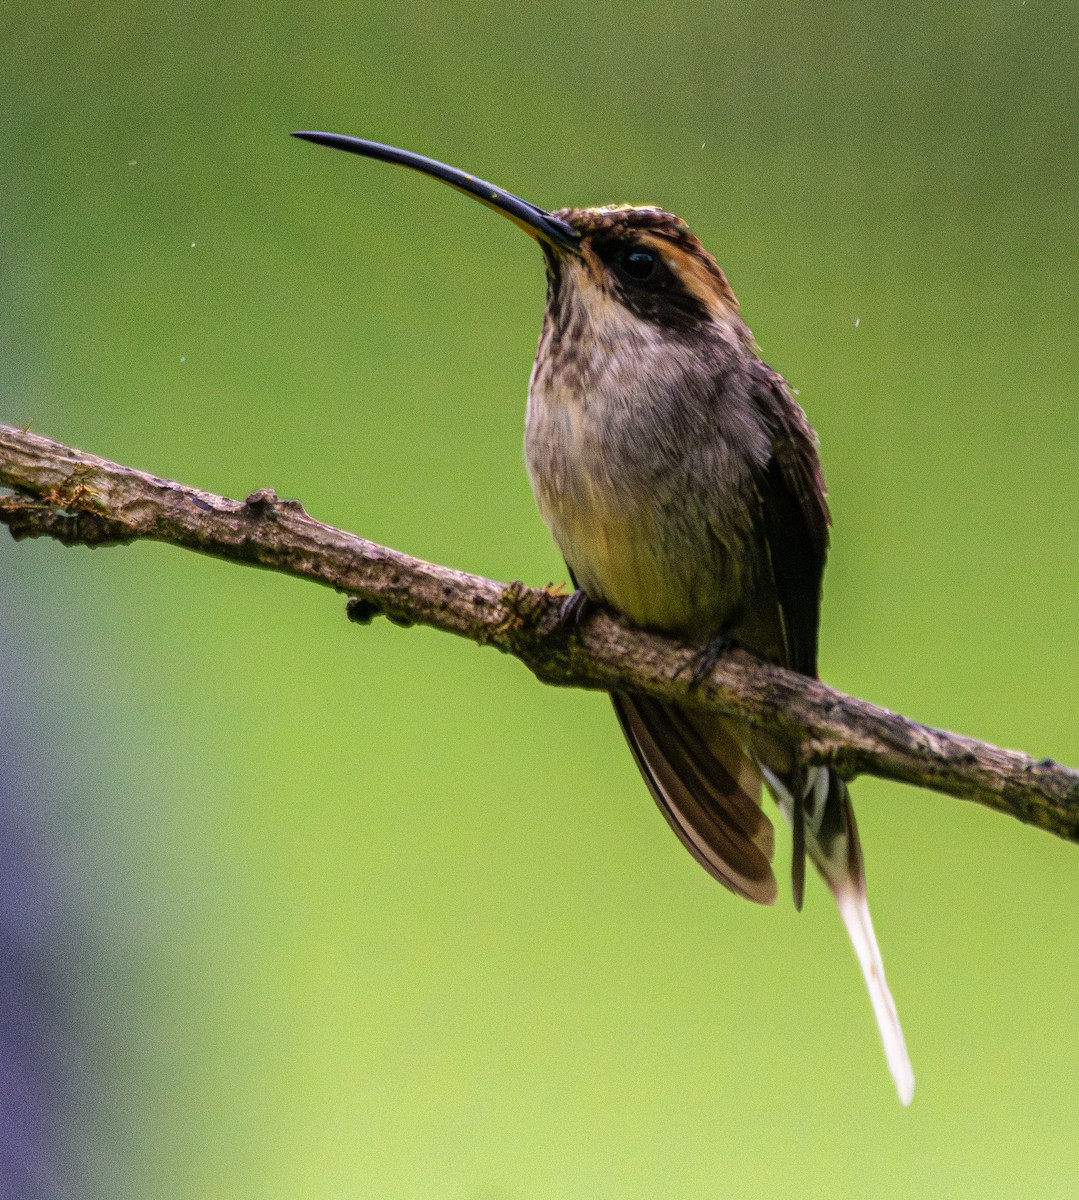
[(638, 264)]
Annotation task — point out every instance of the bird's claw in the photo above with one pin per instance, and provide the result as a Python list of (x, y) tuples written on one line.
[(572, 611), (701, 663)]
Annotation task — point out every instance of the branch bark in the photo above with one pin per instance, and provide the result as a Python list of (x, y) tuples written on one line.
[(78, 499)]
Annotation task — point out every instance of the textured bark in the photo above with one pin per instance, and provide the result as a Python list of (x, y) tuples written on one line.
[(78, 499)]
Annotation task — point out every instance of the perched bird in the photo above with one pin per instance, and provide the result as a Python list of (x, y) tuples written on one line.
[(681, 481)]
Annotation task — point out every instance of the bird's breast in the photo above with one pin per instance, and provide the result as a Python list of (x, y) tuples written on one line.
[(637, 518)]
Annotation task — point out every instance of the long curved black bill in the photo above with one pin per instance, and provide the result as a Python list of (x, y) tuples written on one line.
[(535, 221)]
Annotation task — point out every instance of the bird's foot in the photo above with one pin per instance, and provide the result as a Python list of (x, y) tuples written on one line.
[(701, 662), (572, 611)]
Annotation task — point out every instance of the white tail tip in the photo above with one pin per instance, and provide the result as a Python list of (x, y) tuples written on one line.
[(855, 913)]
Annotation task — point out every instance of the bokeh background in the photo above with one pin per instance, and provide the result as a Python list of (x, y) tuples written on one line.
[(304, 909)]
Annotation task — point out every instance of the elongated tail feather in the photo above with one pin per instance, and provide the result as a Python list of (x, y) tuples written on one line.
[(854, 910), (831, 839)]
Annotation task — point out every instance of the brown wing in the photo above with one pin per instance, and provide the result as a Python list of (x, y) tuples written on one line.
[(794, 521), (707, 788), (794, 517)]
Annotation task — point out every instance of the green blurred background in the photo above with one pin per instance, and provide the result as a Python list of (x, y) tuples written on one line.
[(351, 918)]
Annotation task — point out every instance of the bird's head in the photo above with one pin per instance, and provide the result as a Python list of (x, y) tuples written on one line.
[(637, 264)]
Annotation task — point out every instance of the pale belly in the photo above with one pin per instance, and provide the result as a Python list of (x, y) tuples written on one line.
[(647, 561)]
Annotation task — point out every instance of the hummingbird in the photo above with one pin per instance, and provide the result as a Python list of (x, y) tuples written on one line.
[(681, 480)]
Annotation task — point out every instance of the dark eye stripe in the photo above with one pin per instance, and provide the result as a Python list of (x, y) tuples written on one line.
[(646, 284)]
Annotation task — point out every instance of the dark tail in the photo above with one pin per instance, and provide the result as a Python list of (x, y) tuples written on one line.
[(707, 787)]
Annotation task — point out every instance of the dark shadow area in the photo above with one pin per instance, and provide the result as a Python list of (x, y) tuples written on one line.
[(36, 1062)]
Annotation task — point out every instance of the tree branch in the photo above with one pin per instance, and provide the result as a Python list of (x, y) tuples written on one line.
[(62, 493)]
